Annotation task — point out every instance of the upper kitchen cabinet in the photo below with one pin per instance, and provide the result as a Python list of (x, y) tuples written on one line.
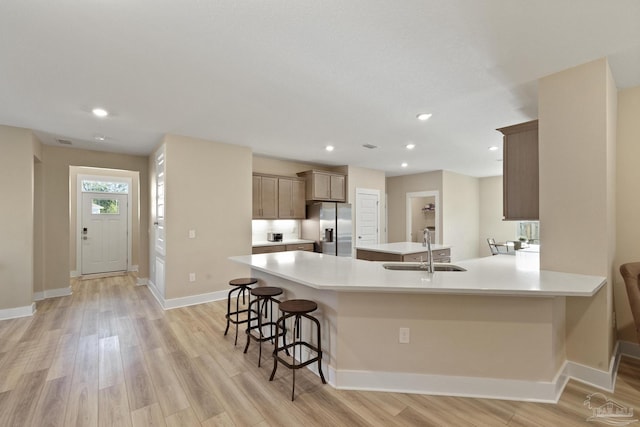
[(520, 171), (291, 198), (324, 186), (265, 197)]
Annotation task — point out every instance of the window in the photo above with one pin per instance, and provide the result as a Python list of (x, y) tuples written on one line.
[(105, 187), (104, 207), (529, 230)]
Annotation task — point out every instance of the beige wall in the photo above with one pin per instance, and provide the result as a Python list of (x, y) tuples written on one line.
[(208, 189), (397, 189), (74, 171), (460, 215), (269, 165), (575, 145), (16, 227), (56, 169), (628, 203), (491, 223)]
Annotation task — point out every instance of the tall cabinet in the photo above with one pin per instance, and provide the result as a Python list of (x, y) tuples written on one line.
[(520, 172)]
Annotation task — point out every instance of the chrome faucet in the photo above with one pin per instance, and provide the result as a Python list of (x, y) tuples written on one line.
[(426, 241)]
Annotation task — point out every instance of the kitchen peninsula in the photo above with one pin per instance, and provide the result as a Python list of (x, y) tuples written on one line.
[(495, 330)]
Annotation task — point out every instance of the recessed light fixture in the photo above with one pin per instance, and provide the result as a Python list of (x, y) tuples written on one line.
[(329, 148), (99, 138), (410, 146), (493, 148), (100, 112), (423, 116), (404, 164)]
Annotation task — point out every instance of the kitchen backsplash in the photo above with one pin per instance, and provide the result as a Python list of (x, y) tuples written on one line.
[(290, 228)]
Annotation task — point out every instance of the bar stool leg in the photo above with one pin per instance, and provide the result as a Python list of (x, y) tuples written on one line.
[(228, 310), (275, 349)]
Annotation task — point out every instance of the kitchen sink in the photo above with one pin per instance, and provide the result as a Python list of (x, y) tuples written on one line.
[(412, 266)]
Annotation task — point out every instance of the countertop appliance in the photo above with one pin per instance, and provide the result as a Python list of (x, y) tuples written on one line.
[(274, 237), (329, 225)]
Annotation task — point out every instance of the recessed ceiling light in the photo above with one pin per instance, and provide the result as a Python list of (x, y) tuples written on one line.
[(404, 164), (410, 146), (493, 148), (99, 138), (423, 116), (329, 148), (100, 112)]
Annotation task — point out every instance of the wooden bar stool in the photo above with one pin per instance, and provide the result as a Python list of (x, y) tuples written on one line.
[(297, 308), (240, 286), (263, 295)]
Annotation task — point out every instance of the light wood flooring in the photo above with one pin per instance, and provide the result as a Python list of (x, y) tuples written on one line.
[(108, 355)]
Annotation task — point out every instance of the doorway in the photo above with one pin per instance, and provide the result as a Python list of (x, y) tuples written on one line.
[(104, 220), (423, 211), (367, 217)]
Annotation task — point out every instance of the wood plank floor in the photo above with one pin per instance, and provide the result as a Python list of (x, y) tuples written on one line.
[(109, 356)]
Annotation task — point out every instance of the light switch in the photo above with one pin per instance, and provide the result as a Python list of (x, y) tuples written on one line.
[(192, 234)]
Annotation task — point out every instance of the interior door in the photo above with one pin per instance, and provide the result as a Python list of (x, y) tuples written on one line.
[(367, 218), (103, 232)]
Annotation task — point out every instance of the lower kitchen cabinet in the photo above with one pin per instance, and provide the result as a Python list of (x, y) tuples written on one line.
[(440, 255), (281, 248)]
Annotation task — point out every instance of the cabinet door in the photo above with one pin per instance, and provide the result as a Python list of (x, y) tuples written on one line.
[(337, 188), (520, 172), (285, 198), (265, 197), (298, 199), (321, 184)]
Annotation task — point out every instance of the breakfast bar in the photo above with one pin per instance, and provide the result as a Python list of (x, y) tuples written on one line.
[(495, 330)]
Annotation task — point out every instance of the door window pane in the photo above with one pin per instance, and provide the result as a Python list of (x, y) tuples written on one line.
[(104, 207), (105, 187)]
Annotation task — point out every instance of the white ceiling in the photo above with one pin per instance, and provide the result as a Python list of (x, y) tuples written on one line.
[(287, 78)]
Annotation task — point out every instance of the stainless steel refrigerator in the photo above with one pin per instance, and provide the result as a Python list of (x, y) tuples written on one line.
[(329, 225)]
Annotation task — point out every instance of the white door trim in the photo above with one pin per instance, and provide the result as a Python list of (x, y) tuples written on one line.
[(105, 178), (435, 194)]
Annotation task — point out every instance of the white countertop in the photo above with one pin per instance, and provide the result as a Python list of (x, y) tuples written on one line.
[(495, 275), (284, 242), (401, 248)]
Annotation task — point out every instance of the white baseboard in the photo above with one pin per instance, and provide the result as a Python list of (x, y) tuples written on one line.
[(52, 293), (74, 273), (168, 304), (631, 349), (133, 268), (12, 313), (605, 380), (142, 281)]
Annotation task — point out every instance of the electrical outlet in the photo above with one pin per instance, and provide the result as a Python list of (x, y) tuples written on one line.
[(192, 277), (404, 336), (192, 234)]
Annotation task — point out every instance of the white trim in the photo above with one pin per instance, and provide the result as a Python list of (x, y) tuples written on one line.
[(13, 313), (142, 281), (435, 194), (168, 304), (74, 273), (631, 349), (446, 385), (128, 180), (605, 380), (52, 293)]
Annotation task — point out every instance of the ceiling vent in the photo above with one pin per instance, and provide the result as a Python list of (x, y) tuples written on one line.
[(64, 141), (369, 146)]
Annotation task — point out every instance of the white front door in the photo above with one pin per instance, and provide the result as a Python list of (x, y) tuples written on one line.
[(103, 232), (367, 216)]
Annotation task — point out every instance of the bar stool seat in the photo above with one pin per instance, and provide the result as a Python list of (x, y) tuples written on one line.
[(264, 295), (298, 309), (240, 286)]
